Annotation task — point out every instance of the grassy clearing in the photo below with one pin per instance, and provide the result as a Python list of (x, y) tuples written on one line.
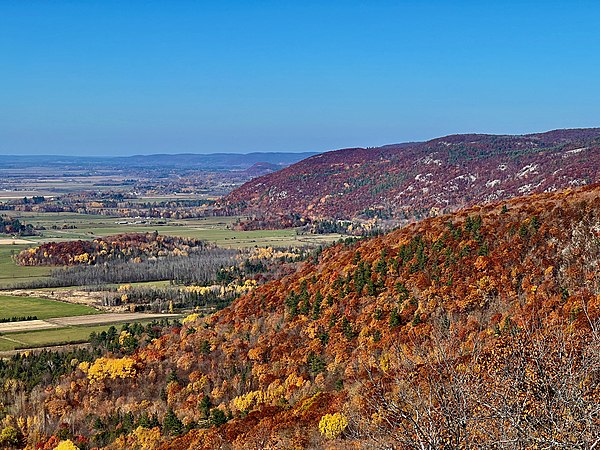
[(11, 306), (49, 337), (6, 345), (11, 274), (55, 336)]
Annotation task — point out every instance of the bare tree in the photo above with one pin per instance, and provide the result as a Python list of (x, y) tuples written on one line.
[(533, 388)]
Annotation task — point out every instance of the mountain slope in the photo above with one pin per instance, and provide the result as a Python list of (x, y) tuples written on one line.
[(479, 329), (421, 179)]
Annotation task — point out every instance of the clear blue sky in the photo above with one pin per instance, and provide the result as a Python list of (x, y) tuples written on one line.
[(128, 77)]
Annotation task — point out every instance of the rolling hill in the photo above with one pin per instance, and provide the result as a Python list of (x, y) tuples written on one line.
[(416, 180)]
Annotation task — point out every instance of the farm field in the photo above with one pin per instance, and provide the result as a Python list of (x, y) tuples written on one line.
[(109, 318), (48, 337), (55, 336), (11, 306), (86, 320), (14, 241), (213, 229), (174, 197), (50, 181), (69, 330), (10, 273), (15, 195)]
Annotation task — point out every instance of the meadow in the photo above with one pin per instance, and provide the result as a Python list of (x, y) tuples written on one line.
[(10, 273), (55, 336), (11, 306)]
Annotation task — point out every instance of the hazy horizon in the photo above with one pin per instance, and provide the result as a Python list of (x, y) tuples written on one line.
[(48, 155), (105, 78), (242, 153)]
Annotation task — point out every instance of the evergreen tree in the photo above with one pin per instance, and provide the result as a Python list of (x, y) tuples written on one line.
[(171, 423)]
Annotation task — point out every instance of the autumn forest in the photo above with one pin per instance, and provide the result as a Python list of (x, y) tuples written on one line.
[(477, 329)]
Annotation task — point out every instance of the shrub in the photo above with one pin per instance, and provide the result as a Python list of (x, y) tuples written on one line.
[(217, 417), (10, 436)]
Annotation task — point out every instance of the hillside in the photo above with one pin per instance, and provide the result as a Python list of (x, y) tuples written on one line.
[(417, 180), (473, 330)]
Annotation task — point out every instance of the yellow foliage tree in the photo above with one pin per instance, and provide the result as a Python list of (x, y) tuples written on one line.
[(66, 445), (333, 425), (147, 438), (190, 318), (84, 258), (124, 288), (124, 336), (112, 368)]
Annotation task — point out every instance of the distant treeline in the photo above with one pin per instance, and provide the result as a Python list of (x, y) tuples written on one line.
[(153, 299), (198, 268), (121, 247), (14, 226), (17, 319)]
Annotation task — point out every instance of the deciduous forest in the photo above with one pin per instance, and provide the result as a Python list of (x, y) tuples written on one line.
[(478, 329)]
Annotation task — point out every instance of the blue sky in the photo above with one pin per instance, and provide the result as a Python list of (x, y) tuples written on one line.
[(107, 77)]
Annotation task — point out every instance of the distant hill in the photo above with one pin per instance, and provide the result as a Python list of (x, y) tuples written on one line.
[(415, 180), (213, 161), (261, 168), (225, 161)]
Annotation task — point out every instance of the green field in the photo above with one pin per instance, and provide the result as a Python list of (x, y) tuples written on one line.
[(10, 273), (6, 345), (11, 306), (212, 229), (54, 336)]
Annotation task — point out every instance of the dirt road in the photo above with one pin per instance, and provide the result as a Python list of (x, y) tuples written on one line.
[(96, 319)]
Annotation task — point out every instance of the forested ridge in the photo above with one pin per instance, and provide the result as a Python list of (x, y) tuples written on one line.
[(406, 182), (478, 329)]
